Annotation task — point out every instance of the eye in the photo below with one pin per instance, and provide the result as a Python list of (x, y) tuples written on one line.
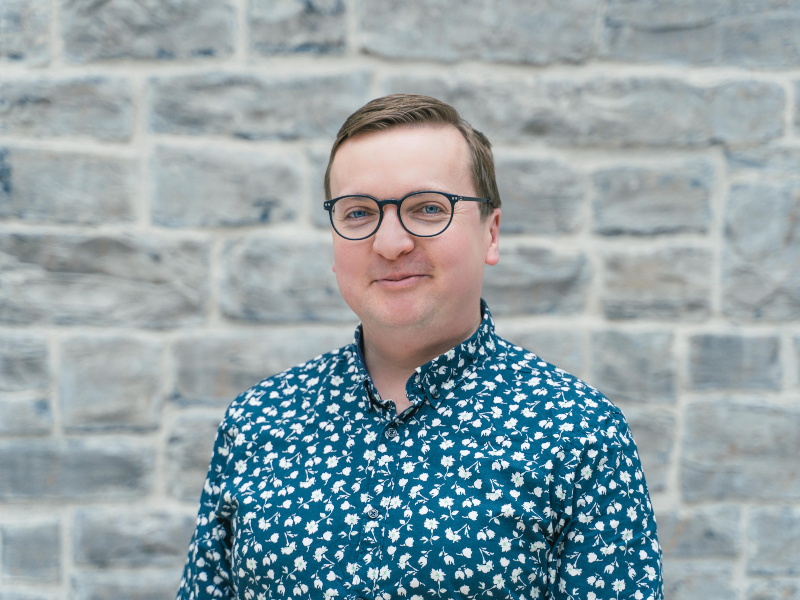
[(431, 209), (357, 213)]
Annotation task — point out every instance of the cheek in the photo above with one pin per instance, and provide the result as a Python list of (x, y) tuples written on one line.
[(349, 266), (460, 261)]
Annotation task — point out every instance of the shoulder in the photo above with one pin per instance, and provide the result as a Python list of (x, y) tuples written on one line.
[(556, 400), (286, 396)]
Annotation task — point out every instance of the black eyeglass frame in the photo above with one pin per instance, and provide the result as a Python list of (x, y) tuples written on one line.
[(453, 198)]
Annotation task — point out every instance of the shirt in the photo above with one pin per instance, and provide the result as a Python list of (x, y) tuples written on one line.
[(505, 478)]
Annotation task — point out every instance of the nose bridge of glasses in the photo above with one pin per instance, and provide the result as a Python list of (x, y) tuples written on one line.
[(383, 205)]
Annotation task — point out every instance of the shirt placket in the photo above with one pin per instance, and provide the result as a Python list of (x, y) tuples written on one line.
[(394, 433), (397, 433), (372, 541), (369, 540)]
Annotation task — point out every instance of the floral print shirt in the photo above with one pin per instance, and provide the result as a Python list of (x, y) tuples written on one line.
[(506, 478)]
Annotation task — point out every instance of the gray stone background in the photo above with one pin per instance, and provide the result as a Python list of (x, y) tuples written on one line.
[(163, 247)]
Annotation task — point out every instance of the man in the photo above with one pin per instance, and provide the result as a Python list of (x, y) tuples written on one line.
[(430, 458)]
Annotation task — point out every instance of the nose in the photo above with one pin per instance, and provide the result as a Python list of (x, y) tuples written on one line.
[(391, 240)]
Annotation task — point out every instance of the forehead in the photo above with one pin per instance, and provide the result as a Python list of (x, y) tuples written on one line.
[(401, 160)]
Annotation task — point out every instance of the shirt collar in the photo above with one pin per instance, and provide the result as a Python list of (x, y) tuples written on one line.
[(435, 379)]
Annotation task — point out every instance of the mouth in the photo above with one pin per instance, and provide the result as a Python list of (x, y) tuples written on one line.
[(400, 281)]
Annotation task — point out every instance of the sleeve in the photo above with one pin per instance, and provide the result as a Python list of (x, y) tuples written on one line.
[(606, 544), (207, 572)]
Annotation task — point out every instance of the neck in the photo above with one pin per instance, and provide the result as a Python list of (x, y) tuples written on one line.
[(392, 356)]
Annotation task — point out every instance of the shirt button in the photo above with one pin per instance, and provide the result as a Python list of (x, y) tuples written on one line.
[(391, 433), (373, 513)]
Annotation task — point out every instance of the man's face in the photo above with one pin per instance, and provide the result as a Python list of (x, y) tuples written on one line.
[(394, 279)]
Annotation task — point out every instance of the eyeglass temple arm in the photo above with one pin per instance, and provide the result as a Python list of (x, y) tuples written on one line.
[(469, 199)]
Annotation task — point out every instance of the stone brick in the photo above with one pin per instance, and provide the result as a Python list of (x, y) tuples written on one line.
[(24, 593), (774, 590), (740, 451), (101, 280), (676, 31), (23, 362), (24, 26), (318, 162), (318, 26), (25, 416), (215, 369), (770, 161), (797, 355), (269, 279), (564, 349), (649, 201), (744, 34), (255, 107), (93, 107), (74, 469), (141, 585), (797, 106), (611, 112), (110, 383), (66, 187), (634, 367), (480, 29), (654, 433), (707, 533), (131, 537), (539, 196), (672, 283), (534, 280), (31, 552), (734, 362), (768, 40), (213, 188), (170, 29), (698, 581), (189, 449), (774, 541), (761, 256)]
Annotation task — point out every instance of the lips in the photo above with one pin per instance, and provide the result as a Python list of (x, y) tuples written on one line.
[(399, 277), (399, 280)]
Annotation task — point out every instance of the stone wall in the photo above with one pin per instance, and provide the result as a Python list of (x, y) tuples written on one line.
[(163, 247)]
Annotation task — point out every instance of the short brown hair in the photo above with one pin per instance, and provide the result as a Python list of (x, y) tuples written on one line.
[(410, 109)]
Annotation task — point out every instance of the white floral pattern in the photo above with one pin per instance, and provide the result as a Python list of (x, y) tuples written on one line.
[(507, 478)]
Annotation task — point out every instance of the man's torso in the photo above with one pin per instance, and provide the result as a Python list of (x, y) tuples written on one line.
[(324, 493)]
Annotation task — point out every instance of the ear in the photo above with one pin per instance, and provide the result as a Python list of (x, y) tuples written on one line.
[(492, 236)]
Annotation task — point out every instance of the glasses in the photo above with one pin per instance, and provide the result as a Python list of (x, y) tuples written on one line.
[(423, 214)]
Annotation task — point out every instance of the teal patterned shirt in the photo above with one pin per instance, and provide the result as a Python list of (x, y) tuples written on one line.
[(506, 478)]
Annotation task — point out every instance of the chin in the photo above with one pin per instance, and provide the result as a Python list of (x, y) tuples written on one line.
[(397, 311)]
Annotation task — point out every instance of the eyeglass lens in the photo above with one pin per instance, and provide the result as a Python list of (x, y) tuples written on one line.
[(424, 214)]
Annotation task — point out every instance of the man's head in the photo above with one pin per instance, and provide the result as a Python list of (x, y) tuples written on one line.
[(394, 280)]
